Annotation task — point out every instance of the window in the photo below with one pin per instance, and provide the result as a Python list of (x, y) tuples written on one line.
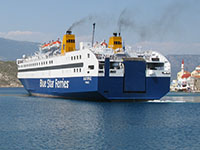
[(112, 71), (88, 55), (155, 66), (101, 65), (117, 42), (51, 62), (70, 41), (114, 65), (91, 67), (155, 59)]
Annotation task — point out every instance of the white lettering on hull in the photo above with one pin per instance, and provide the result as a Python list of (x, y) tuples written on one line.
[(54, 83), (61, 83)]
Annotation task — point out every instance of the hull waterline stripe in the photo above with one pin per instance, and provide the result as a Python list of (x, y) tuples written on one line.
[(53, 67)]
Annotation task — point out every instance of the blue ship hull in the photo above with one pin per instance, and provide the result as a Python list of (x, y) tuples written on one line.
[(99, 88)]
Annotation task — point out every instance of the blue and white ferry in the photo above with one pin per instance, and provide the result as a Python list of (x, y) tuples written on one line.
[(95, 71)]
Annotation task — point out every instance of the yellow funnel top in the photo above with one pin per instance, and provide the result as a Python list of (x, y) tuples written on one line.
[(68, 43), (115, 42)]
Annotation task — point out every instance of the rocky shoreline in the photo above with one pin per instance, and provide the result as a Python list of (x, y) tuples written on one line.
[(8, 74)]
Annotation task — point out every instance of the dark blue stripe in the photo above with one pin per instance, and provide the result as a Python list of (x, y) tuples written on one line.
[(94, 89), (53, 67)]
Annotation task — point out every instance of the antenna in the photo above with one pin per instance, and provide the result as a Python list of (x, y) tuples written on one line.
[(93, 34), (123, 45)]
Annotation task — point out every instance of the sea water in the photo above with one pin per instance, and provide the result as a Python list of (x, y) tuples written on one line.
[(35, 123)]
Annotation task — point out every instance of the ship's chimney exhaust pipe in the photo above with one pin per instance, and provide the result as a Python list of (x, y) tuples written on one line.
[(68, 32), (114, 34), (93, 34)]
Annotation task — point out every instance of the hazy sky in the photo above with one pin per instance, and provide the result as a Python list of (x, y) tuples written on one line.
[(168, 26)]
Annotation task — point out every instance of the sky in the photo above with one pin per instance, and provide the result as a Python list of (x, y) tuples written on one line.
[(167, 26)]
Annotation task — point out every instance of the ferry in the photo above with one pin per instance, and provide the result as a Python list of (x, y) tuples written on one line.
[(97, 71)]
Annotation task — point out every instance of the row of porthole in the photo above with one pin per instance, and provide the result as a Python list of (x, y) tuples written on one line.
[(36, 64), (77, 69), (76, 57)]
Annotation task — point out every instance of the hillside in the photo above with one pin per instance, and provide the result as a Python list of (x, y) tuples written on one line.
[(11, 49), (8, 74)]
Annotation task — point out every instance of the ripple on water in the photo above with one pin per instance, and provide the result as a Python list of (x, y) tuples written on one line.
[(46, 123)]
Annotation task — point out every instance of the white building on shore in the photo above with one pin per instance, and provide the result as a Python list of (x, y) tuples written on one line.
[(186, 81), (195, 79)]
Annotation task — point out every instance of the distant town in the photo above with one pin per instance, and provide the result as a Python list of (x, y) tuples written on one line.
[(186, 81)]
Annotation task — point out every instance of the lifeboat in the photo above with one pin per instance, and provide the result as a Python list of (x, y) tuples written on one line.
[(51, 45), (55, 44), (104, 44), (45, 46)]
